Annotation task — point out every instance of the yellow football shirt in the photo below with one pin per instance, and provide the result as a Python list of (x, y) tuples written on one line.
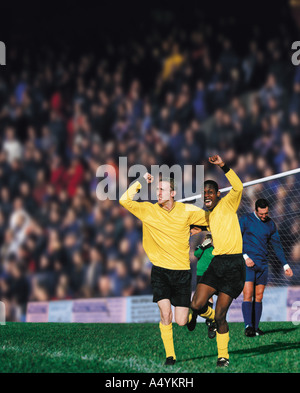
[(165, 233)]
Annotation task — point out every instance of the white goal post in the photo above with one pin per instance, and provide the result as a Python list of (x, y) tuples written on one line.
[(283, 194)]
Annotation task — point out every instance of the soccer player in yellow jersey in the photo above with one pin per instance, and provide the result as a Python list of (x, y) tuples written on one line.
[(226, 272), (166, 234)]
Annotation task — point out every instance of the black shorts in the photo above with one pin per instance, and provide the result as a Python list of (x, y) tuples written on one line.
[(174, 285), (227, 274), (199, 278)]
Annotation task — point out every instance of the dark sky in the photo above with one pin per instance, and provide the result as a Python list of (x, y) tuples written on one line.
[(87, 26), (48, 20)]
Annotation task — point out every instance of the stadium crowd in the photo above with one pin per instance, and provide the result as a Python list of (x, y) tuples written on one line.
[(164, 98)]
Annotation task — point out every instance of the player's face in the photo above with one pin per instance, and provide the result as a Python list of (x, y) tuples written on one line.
[(164, 192), (211, 197), (263, 213)]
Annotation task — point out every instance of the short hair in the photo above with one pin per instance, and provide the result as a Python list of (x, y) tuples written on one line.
[(261, 203), (211, 183), (171, 181)]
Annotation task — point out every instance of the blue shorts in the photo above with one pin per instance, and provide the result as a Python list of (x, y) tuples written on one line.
[(257, 274)]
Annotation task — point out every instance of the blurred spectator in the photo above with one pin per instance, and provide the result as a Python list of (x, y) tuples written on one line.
[(105, 286), (78, 273), (228, 58), (95, 269), (11, 145), (199, 102), (172, 62), (271, 89)]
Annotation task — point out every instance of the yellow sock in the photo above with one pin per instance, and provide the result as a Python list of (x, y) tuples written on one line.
[(222, 344), (209, 314), (167, 338)]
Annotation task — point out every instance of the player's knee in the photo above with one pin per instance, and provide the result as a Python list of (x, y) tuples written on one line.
[(199, 305), (258, 297), (248, 292), (247, 295), (166, 317), (181, 321)]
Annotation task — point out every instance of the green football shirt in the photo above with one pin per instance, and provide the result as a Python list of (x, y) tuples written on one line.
[(204, 258)]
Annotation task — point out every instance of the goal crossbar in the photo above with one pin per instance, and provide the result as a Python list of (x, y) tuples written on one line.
[(249, 183)]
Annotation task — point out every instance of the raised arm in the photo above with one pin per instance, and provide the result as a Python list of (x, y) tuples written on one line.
[(233, 198), (126, 200)]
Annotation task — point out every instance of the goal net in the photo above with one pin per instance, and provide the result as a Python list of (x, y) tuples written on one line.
[(283, 194)]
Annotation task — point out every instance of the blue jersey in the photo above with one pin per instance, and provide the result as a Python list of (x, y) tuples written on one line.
[(256, 236)]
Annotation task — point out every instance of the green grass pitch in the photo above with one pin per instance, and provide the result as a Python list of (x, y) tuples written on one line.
[(137, 348)]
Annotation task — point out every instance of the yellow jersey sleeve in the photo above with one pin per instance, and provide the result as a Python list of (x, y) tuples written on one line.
[(233, 198), (197, 216), (136, 208), (223, 220)]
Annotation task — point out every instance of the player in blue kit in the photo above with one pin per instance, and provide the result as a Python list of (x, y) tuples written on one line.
[(258, 229)]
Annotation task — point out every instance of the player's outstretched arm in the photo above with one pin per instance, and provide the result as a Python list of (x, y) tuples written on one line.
[(233, 198), (234, 180), (126, 200)]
